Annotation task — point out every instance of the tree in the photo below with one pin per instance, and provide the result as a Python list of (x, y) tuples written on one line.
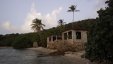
[(72, 8), (37, 25), (61, 26), (61, 22), (22, 42), (100, 42)]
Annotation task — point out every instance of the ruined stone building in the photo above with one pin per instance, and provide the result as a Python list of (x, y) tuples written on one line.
[(76, 38)]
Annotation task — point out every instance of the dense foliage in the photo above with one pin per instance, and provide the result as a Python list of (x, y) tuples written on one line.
[(100, 44), (41, 37), (7, 40), (22, 42)]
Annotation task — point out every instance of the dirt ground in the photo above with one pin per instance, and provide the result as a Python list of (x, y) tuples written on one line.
[(68, 58)]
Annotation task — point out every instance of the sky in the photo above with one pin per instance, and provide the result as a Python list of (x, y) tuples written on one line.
[(16, 15)]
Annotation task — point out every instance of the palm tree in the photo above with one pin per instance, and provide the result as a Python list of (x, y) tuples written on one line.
[(37, 25), (61, 22), (61, 25), (72, 8)]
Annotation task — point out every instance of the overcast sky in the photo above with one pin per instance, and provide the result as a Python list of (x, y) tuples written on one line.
[(16, 15)]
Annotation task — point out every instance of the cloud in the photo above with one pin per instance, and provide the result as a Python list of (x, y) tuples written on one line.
[(26, 27), (93, 7), (51, 18), (100, 4), (7, 25)]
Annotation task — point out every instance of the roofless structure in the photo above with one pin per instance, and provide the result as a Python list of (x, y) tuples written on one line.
[(76, 37)]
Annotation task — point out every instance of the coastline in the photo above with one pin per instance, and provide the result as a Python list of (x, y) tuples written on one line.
[(41, 55), (74, 57), (5, 47)]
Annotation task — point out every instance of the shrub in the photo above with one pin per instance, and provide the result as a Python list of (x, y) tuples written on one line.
[(100, 40), (22, 43), (62, 48)]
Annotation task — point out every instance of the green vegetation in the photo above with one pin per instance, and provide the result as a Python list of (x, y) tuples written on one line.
[(41, 36), (99, 47), (72, 8), (37, 25), (100, 44), (7, 40), (61, 22), (22, 42)]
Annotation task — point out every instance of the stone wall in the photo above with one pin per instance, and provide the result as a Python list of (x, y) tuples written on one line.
[(66, 46), (54, 44), (69, 44)]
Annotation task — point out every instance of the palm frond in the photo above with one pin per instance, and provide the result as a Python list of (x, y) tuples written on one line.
[(77, 10), (37, 25), (69, 11)]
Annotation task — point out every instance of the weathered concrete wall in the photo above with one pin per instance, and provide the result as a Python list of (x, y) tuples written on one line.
[(74, 44), (68, 40), (78, 44), (83, 36), (66, 46), (54, 44), (35, 44)]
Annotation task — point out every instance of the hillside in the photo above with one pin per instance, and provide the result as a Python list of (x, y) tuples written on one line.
[(9, 39)]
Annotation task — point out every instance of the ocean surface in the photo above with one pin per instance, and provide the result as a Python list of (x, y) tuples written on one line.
[(28, 56)]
